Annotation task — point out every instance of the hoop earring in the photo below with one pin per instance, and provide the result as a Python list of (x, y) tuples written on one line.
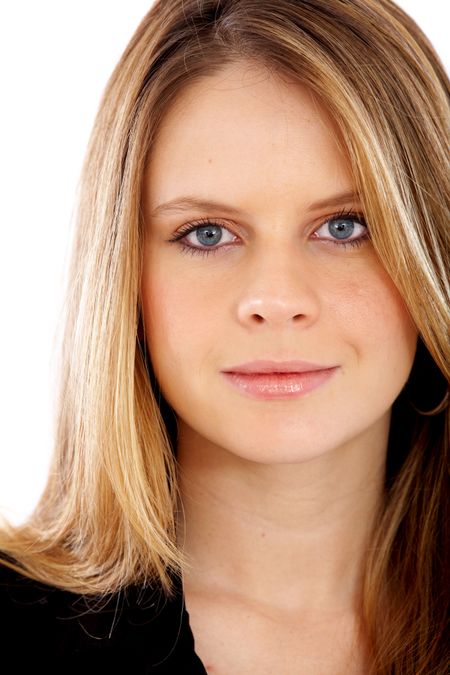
[(435, 411)]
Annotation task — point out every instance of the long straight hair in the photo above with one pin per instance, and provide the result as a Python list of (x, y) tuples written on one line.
[(107, 516)]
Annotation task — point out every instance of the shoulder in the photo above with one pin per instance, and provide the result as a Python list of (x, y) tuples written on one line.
[(137, 629)]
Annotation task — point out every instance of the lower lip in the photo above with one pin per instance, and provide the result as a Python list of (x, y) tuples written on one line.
[(279, 385)]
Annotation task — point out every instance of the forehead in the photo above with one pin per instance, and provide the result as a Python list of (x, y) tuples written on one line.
[(246, 128)]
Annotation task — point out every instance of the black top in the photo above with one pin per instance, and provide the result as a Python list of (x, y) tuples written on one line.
[(135, 631)]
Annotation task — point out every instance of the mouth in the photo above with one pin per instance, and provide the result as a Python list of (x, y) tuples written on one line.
[(279, 384)]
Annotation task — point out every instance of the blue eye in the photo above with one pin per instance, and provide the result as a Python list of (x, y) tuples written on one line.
[(209, 235), (204, 232), (343, 229)]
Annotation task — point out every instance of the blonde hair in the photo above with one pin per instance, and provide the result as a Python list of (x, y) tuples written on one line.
[(107, 516)]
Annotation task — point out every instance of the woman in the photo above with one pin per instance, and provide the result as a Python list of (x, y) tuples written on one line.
[(252, 438)]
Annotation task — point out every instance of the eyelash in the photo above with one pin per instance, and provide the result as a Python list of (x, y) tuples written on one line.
[(202, 222)]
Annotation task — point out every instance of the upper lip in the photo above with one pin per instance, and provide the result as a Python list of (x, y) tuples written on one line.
[(276, 367)]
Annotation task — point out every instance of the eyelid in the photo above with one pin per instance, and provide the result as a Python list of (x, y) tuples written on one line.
[(187, 228)]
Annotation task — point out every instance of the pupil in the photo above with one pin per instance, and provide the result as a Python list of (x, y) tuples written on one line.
[(211, 234), (341, 229)]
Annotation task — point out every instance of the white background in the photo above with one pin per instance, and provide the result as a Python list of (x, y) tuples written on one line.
[(55, 59)]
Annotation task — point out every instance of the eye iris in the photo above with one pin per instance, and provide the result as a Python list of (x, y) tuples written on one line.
[(209, 235), (341, 229)]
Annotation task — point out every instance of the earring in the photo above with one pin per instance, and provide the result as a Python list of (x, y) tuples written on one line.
[(435, 411), (425, 384)]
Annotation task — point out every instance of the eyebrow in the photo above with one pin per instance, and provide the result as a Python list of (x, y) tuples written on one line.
[(180, 204)]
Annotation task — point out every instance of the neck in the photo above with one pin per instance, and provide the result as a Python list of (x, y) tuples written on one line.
[(293, 536)]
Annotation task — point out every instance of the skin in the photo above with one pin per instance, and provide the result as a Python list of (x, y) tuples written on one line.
[(277, 496)]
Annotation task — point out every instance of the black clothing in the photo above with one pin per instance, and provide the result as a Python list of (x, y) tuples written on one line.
[(135, 631)]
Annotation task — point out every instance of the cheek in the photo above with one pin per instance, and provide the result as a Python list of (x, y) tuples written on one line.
[(176, 317), (373, 316)]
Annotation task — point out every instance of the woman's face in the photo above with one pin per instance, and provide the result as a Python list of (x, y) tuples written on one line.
[(274, 277)]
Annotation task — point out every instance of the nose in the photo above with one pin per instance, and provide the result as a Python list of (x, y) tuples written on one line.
[(279, 290)]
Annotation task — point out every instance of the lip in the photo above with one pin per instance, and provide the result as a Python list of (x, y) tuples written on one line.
[(277, 367), (284, 384)]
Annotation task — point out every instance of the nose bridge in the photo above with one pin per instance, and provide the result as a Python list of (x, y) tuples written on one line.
[(278, 287)]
